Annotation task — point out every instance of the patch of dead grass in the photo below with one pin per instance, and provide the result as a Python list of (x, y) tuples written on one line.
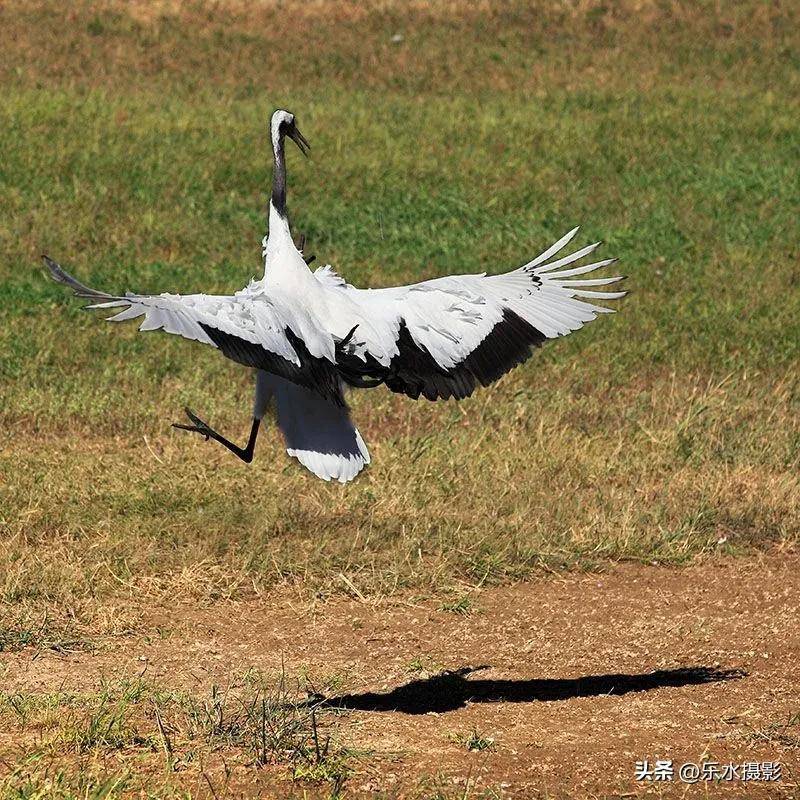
[(670, 473), (417, 47)]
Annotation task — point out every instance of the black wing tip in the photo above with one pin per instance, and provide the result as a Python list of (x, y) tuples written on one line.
[(52, 265), (56, 270), (60, 275)]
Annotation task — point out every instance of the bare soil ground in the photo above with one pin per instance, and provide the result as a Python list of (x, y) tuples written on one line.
[(573, 678)]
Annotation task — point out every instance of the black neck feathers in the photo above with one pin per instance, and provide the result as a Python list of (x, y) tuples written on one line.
[(279, 175)]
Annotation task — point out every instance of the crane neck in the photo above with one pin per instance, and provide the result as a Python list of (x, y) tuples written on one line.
[(279, 172), (283, 264), (277, 246), (279, 236)]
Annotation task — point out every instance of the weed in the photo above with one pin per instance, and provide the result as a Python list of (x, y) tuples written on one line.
[(464, 606), (474, 741), (785, 734)]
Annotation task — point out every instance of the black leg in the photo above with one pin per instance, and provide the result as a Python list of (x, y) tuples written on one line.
[(246, 453)]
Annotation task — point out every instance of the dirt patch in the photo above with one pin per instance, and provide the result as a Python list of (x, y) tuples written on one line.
[(558, 686)]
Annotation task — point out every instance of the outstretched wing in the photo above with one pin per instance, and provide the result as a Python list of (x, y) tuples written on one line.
[(245, 327), (450, 334)]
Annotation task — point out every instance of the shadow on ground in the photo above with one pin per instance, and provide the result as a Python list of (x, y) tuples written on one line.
[(451, 690)]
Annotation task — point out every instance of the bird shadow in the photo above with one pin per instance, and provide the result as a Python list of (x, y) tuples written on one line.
[(449, 691)]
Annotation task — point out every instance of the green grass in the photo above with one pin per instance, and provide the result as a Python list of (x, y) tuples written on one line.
[(134, 151), (462, 606), (170, 739), (62, 785), (18, 632)]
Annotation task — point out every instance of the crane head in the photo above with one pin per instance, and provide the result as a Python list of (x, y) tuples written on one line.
[(283, 124)]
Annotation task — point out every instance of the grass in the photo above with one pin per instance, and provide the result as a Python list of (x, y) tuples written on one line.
[(666, 432), (474, 741), (61, 785), (463, 606), (442, 787), (153, 732), (783, 734), (134, 150), (20, 631)]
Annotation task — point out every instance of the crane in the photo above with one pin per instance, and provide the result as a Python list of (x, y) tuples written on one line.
[(309, 335)]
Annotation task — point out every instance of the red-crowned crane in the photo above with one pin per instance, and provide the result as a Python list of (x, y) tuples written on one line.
[(309, 334)]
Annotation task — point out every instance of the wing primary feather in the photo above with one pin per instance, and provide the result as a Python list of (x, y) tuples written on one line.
[(563, 262), (590, 282), (552, 250), (599, 295), (568, 273), (60, 275)]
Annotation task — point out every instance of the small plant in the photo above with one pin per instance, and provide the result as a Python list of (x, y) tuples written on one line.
[(333, 769), (14, 638), (109, 724), (424, 664), (444, 787), (273, 728), (28, 783), (780, 733), (474, 741), (43, 635), (463, 606)]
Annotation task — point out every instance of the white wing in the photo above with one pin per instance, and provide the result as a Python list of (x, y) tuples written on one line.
[(246, 327), (442, 337)]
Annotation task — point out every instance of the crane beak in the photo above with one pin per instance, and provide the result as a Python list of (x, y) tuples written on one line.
[(299, 140)]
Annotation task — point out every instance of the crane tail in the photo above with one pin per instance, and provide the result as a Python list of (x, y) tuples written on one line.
[(320, 435)]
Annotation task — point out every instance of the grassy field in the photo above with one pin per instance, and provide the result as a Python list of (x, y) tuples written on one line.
[(446, 138)]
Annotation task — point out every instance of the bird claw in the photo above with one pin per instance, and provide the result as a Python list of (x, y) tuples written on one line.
[(199, 426), (245, 453)]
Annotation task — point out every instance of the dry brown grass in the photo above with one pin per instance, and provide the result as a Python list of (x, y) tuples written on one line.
[(657, 474), (442, 46)]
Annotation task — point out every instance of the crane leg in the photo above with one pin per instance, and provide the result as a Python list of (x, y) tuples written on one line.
[(245, 453)]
